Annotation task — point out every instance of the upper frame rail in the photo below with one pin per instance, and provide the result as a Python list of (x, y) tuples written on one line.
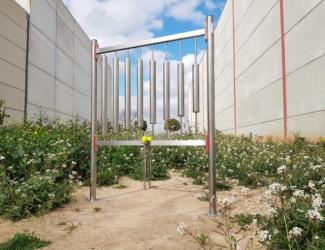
[(158, 40)]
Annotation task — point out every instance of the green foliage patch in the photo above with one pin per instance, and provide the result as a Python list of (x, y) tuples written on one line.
[(23, 241)]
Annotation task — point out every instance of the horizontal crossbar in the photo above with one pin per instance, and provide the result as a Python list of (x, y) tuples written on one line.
[(153, 41), (172, 143)]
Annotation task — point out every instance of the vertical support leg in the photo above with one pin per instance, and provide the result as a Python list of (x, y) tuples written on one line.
[(104, 95), (93, 120), (144, 166), (211, 120), (149, 166)]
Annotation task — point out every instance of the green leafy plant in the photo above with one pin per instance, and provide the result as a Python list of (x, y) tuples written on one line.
[(23, 241), (3, 113)]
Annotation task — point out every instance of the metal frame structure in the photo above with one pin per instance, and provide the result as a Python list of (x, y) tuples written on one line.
[(209, 143)]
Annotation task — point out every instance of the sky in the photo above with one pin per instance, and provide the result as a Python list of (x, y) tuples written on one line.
[(114, 22)]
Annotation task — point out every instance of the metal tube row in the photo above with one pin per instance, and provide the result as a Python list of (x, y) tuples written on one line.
[(104, 95), (166, 89), (153, 117), (116, 96), (140, 93), (127, 94)]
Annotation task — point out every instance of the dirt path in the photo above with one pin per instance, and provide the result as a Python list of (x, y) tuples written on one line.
[(129, 218)]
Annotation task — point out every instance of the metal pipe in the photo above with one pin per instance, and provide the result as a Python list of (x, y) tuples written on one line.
[(211, 115), (166, 87), (140, 94), (104, 95), (180, 89), (93, 119), (127, 94), (196, 88), (116, 83), (153, 118)]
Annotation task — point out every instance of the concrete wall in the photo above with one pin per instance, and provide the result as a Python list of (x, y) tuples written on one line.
[(248, 69), (13, 33), (59, 56), (59, 62)]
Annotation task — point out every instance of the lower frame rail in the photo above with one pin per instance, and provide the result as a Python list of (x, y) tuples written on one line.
[(155, 143)]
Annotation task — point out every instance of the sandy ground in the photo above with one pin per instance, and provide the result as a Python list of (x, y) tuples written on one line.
[(133, 218)]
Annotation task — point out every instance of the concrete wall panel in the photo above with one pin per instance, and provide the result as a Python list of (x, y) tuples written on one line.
[(16, 33), (264, 105), (306, 41), (265, 71), (41, 51), (11, 75), (64, 68), (301, 9), (41, 88), (63, 98), (310, 125), (43, 16), (64, 37), (306, 89)]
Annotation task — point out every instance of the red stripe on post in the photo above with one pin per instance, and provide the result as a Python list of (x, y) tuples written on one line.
[(94, 143), (234, 65), (284, 72), (207, 144)]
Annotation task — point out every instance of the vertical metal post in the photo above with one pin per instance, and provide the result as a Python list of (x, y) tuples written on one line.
[(104, 95), (211, 115), (153, 118), (140, 94), (127, 94), (116, 96), (93, 119)]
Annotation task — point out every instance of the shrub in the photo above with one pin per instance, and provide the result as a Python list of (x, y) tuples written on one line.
[(172, 125)]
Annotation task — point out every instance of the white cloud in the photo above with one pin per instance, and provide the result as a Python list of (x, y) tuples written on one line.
[(117, 21)]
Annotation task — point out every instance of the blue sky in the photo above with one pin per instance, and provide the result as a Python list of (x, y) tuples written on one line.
[(120, 21)]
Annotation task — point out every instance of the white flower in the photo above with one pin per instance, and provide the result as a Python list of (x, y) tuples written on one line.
[(264, 236), (225, 202), (276, 231), (295, 232), (2, 157), (73, 163), (71, 176), (276, 187), (74, 172), (317, 201), (299, 193), (181, 228), (311, 184), (314, 215), (293, 200), (244, 190), (281, 169), (271, 211)]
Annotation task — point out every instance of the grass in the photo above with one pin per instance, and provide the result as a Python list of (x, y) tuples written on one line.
[(24, 241)]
